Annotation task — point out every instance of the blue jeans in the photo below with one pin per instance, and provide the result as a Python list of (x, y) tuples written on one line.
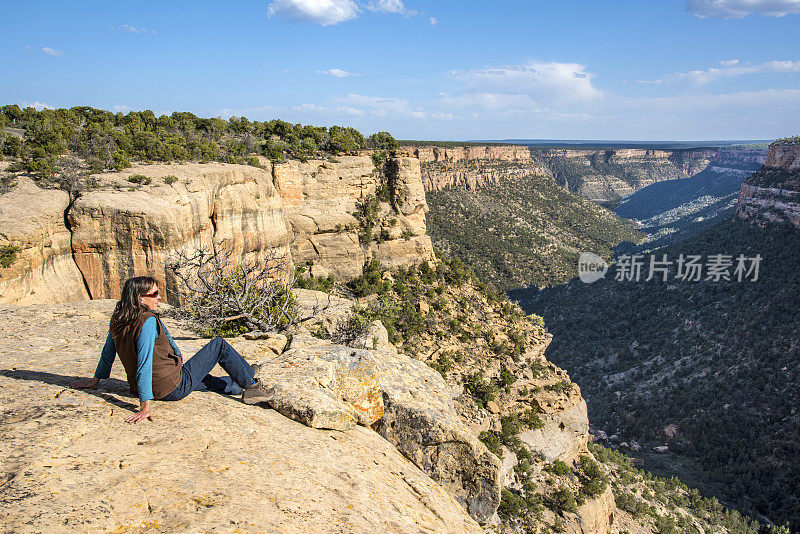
[(195, 371)]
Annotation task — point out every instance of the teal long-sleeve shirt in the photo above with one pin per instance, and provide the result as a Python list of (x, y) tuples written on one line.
[(144, 357)]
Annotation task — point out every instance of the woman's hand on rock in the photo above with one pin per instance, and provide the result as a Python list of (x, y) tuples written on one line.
[(84, 383), (144, 413)]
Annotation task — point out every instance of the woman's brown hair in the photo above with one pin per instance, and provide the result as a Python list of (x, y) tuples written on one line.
[(129, 306)]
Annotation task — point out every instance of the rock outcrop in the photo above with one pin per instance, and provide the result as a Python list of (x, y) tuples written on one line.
[(421, 421), (320, 197), (208, 462), (565, 433), (772, 194), (118, 230), (32, 219), (325, 385)]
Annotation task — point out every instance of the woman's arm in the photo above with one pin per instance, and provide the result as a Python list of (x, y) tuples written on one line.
[(144, 370), (103, 369)]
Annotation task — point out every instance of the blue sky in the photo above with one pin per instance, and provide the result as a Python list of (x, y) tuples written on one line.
[(646, 69)]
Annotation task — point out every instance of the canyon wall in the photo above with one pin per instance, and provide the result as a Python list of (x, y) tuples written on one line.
[(610, 175), (772, 193), (470, 167), (118, 230), (602, 175)]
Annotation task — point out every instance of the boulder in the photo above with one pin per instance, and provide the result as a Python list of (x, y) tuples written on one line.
[(595, 516), (274, 341), (332, 387), (376, 338)]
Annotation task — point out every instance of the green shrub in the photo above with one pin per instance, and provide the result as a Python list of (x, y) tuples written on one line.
[(443, 364), (8, 255), (531, 419), (506, 377), (509, 430), (593, 480), (367, 215), (492, 442), (481, 390), (558, 468), (561, 501), (665, 525), (315, 283), (512, 505), (170, 179), (562, 386), (352, 327), (253, 162), (140, 179), (631, 504)]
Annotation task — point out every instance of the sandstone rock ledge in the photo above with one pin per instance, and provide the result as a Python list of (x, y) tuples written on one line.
[(208, 463)]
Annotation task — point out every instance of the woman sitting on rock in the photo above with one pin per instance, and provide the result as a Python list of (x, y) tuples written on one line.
[(153, 363)]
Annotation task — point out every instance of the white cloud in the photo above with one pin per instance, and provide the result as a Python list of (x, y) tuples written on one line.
[(737, 9), (38, 106), (52, 51), (729, 69), (122, 109), (338, 73), (390, 6), (132, 29), (347, 110), (771, 98), (490, 101), (398, 108), (324, 12), (434, 21), (539, 81)]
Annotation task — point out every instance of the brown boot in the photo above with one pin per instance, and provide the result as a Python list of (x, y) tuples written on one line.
[(257, 393)]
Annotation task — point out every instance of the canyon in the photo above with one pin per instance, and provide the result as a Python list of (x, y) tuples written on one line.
[(72, 257), (600, 175)]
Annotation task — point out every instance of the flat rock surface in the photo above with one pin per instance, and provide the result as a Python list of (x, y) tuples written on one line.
[(68, 461)]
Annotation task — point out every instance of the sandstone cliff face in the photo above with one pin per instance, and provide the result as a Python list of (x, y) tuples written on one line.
[(470, 167), (785, 155), (33, 220), (608, 175), (319, 199), (119, 234), (772, 193), (118, 231), (460, 153), (600, 175)]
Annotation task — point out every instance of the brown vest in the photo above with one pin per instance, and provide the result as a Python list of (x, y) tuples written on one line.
[(167, 367)]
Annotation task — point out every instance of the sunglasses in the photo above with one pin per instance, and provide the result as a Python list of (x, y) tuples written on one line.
[(152, 295)]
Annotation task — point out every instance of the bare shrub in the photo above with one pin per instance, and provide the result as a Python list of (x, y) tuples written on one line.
[(227, 295)]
